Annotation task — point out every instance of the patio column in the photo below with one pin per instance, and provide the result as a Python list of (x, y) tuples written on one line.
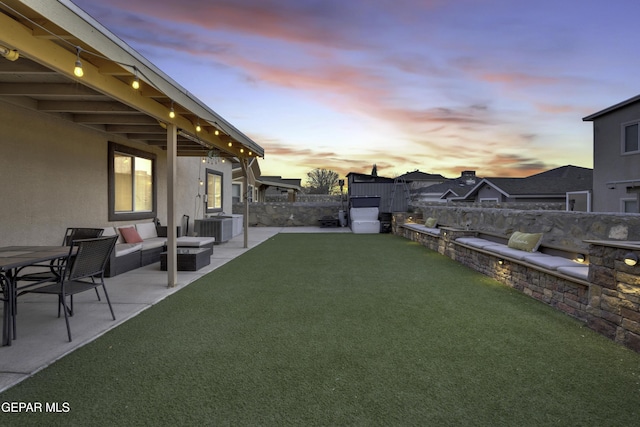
[(245, 217), (172, 154)]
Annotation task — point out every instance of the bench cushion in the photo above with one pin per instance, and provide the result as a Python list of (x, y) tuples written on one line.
[(549, 261), (579, 271), (423, 229), (476, 242), (513, 253)]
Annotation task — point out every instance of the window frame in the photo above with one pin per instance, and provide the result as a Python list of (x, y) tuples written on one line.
[(623, 138), (206, 190), (133, 215)]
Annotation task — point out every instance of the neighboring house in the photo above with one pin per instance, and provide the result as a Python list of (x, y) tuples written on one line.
[(616, 157), (276, 185), (417, 179), (93, 150), (546, 187), (448, 189), (237, 187)]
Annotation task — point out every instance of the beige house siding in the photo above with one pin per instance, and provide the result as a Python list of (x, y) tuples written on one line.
[(53, 175)]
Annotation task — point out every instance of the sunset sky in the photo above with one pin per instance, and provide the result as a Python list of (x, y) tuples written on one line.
[(495, 86)]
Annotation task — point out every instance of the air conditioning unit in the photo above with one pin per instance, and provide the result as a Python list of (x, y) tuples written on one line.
[(220, 228)]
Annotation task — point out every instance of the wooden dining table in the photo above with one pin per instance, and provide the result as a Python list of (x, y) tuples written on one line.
[(12, 258)]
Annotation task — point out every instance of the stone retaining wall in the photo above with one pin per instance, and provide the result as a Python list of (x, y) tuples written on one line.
[(560, 228), (283, 214)]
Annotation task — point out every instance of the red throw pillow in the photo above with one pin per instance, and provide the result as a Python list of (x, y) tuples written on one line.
[(130, 235)]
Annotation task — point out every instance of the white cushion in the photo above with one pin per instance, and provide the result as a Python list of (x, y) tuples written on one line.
[(194, 242), (111, 231), (127, 248), (147, 230), (153, 243)]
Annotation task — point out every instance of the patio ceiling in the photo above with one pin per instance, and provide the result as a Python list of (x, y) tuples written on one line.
[(47, 36)]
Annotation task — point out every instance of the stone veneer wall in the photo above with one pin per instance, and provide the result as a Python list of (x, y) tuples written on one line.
[(614, 297), (283, 214), (608, 303), (560, 228)]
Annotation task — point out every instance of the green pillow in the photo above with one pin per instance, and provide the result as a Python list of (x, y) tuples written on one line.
[(430, 222), (525, 241)]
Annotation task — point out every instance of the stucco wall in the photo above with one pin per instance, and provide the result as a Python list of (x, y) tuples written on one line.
[(53, 175)]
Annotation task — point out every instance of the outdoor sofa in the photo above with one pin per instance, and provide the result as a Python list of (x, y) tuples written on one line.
[(141, 244)]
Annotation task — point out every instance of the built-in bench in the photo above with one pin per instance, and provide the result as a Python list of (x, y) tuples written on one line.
[(550, 274), (564, 262), (427, 236)]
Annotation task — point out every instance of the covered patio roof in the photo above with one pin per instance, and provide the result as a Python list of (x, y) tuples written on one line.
[(41, 42)]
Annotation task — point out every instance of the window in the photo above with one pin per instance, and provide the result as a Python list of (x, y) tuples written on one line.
[(236, 193), (132, 183), (630, 135), (629, 205), (214, 191)]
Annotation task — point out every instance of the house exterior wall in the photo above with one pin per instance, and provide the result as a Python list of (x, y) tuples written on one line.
[(488, 192), (54, 175), (609, 164)]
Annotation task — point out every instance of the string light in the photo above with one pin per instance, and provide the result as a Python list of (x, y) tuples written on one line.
[(242, 150), (136, 81), (198, 127), (78, 71)]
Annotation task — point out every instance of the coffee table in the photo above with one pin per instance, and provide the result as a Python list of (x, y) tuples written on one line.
[(189, 259)]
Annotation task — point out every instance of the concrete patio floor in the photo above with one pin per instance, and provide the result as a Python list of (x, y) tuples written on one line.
[(42, 337)]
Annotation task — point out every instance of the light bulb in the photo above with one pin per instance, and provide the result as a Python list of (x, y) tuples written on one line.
[(172, 112), (135, 83), (78, 71), (242, 150), (216, 132), (230, 143), (198, 127)]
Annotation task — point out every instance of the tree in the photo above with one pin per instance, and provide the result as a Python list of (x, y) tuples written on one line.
[(322, 181)]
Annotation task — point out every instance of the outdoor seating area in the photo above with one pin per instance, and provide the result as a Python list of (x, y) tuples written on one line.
[(142, 244)]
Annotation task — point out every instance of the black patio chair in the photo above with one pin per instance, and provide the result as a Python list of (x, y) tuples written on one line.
[(84, 273), (51, 269)]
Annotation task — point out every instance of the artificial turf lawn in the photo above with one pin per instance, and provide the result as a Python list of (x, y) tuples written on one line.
[(342, 329)]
